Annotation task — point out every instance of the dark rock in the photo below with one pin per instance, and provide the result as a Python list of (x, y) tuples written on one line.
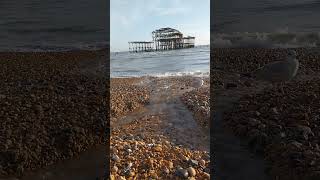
[(182, 172), (247, 83), (231, 85), (296, 144), (253, 122), (314, 175), (193, 162), (305, 130)]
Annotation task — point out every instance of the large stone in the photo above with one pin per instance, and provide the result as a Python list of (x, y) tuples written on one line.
[(202, 163), (182, 172), (193, 162), (115, 158), (305, 130), (191, 171), (253, 122)]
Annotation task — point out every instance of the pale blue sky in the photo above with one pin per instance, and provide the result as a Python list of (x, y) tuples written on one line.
[(134, 20)]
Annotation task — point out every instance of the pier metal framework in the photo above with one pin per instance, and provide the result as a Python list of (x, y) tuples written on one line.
[(163, 39)]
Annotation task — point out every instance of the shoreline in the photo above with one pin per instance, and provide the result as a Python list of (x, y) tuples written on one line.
[(160, 138), (135, 86), (57, 51), (50, 108), (277, 127)]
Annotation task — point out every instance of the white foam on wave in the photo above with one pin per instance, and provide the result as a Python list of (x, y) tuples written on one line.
[(281, 38), (194, 73), (46, 47), (166, 74)]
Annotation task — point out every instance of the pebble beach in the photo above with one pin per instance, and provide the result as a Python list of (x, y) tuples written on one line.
[(156, 124), (51, 107), (281, 128)]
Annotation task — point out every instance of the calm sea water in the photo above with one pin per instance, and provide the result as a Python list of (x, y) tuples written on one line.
[(193, 61), (37, 25), (266, 23)]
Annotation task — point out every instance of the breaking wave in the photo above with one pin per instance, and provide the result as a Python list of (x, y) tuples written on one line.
[(57, 48), (279, 39), (166, 74)]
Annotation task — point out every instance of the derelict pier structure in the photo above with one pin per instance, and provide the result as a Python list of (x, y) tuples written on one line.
[(137, 46), (163, 39)]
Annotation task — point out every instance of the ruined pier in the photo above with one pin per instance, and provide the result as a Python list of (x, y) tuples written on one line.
[(163, 39)]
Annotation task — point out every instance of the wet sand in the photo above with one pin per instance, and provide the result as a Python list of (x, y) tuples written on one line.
[(160, 139), (278, 130), (51, 109)]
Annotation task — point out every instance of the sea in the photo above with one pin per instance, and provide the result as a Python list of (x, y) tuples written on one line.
[(180, 62), (266, 23), (53, 25), (58, 25)]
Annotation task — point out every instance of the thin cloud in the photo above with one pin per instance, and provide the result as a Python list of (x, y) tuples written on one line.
[(124, 20), (170, 11), (127, 13)]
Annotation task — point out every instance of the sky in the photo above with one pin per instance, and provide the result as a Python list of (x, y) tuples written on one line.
[(134, 20)]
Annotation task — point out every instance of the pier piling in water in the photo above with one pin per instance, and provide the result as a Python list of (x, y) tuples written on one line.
[(138, 46)]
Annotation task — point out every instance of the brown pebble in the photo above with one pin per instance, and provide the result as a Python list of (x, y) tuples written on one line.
[(158, 148), (114, 169), (170, 164), (206, 175), (202, 163), (191, 171)]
